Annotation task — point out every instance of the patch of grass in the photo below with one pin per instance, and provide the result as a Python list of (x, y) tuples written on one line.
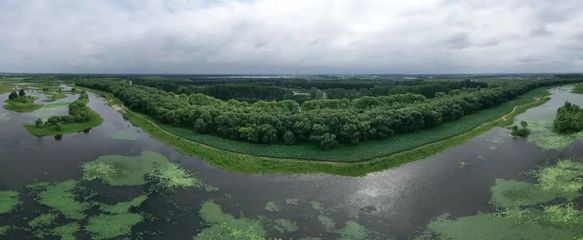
[(123, 207), (62, 197), (225, 226), (21, 106), (94, 121), (465, 128), (8, 201), (118, 170), (105, 226)]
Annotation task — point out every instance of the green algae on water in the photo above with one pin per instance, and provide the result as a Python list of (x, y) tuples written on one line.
[(353, 231), (106, 226), (42, 220), (317, 205), (566, 178), (525, 210), (119, 170), (512, 193), (62, 197), (285, 226), (489, 226), (123, 207), (272, 207), (67, 231), (563, 180), (8, 201), (4, 230), (226, 226), (327, 223), (543, 135)]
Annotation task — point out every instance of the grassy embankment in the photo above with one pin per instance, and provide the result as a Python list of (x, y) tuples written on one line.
[(413, 146), (578, 88), (94, 121), (22, 104)]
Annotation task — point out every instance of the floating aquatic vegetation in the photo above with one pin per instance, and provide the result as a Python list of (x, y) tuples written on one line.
[(43, 226), (106, 226), (128, 134), (115, 219), (564, 178), (490, 226), (519, 215), (42, 220), (123, 207), (542, 135), (119, 170), (317, 205), (353, 231), (67, 231), (225, 226), (272, 207), (564, 214), (8, 201), (292, 201), (327, 223), (4, 230), (512, 193), (61, 196), (285, 226)]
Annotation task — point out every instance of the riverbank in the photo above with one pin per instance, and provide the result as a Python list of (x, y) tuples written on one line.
[(94, 121), (247, 163)]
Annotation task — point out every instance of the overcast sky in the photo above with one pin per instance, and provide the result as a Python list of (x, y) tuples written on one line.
[(271, 36)]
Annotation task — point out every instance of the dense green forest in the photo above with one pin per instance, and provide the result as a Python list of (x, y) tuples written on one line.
[(569, 118), (320, 120)]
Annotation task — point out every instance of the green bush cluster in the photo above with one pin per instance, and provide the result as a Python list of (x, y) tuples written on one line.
[(569, 118), (323, 122)]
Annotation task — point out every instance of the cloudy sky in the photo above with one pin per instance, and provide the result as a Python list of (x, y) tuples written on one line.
[(273, 36)]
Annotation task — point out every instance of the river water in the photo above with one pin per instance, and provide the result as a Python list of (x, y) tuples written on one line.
[(395, 203)]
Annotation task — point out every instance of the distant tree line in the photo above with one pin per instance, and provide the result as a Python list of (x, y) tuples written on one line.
[(569, 118), (324, 122)]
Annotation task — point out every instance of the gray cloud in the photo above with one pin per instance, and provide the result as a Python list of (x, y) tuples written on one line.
[(277, 36)]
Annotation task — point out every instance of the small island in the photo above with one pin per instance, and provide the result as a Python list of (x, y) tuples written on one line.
[(569, 119), (19, 102), (80, 118)]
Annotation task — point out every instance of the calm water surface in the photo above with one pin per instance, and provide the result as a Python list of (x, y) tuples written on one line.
[(395, 203)]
